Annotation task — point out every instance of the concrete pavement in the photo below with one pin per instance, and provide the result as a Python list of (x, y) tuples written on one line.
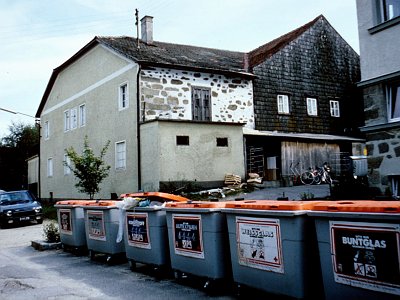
[(292, 193)]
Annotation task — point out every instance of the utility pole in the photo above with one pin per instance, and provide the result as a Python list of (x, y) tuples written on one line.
[(137, 27)]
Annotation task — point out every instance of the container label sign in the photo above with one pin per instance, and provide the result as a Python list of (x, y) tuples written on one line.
[(96, 229), (366, 255), (137, 226), (188, 240), (65, 221), (259, 243)]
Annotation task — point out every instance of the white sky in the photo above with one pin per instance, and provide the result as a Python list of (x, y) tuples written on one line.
[(39, 35)]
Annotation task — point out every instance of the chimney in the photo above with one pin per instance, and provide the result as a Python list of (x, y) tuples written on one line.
[(147, 29)]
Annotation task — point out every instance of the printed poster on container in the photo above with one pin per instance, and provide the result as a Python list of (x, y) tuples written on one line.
[(259, 243), (188, 240), (366, 255), (137, 226), (95, 221), (65, 221)]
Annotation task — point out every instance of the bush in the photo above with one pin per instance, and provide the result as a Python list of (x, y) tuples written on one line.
[(49, 211), (51, 232)]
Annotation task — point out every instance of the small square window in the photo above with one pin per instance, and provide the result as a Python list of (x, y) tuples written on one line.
[(46, 130), (393, 99), (123, 101), (182, 140), (283, 104), (120, 155), (222, 142), (334, 107), (82, 115), (74, 118), (312, 107), (66, 120)]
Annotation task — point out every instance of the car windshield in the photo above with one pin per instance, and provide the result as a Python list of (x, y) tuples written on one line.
[(14, 198)]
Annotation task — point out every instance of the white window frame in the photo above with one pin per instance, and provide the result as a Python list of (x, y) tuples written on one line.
[(50, 167), (120, 156), (389, 97), (67, 159), (46, 130), (67, 118), (74, 118), (334, 107), (82, 115), (123, 96), (283, 104), (312, 108)]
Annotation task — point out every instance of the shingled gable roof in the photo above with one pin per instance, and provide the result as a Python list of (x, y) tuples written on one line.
[(265, 51), (183, 56), (160, 54)]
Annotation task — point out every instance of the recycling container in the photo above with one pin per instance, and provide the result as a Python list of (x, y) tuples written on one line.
[(273, 247), (146, 234), (198, 240), (101, 227), (359, 245), (71, 224)]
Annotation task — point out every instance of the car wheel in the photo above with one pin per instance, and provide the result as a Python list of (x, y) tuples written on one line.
[(39, 221)]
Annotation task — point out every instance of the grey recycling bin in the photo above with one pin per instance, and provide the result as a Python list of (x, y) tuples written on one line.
[(71, 224), (198, 241), (273, 247), (101, 227), (146, 234), (359, 246)]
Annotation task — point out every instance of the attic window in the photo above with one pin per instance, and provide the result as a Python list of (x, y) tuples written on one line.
[(182, 140)]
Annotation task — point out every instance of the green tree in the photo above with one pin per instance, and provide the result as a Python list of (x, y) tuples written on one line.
[(90, 170), (21, 143)]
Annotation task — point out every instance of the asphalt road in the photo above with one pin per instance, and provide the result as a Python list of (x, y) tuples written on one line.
[(26, 273)]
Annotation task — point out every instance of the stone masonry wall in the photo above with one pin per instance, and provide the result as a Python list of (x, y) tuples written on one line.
[(166, 94)]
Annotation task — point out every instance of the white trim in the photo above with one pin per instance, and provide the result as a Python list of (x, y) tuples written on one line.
[(90, 88)]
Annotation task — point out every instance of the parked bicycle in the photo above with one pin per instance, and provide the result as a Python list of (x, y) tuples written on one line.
[(318, 175), (306, 177)]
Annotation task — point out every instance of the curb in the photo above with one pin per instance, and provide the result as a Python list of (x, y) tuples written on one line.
[(42, 245)]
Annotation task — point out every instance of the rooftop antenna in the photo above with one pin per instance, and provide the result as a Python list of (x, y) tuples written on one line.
[(137, 27)]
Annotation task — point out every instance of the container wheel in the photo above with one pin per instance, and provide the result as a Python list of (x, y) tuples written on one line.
[(92, 254), (132, 265)]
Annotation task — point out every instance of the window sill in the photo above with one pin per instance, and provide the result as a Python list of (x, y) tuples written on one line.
[(384, 25)]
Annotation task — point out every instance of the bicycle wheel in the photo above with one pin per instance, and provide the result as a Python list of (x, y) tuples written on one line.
[(328, 178), (307, 178), (317, 179)]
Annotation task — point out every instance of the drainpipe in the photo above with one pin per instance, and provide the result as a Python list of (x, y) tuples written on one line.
[(139, 180)]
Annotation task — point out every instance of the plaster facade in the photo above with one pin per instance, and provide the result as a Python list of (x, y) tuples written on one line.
[(99, 93), (200, 161)]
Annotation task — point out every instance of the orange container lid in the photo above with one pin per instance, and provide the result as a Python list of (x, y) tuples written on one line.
[(163, 197), (100, 203), (74, 202), (271, 204), (196, 204), (369, 206)]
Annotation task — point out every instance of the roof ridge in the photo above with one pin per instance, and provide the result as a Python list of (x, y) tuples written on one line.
[(259, 54)]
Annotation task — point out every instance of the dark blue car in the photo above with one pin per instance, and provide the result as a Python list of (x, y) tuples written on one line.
[(19, 206)]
